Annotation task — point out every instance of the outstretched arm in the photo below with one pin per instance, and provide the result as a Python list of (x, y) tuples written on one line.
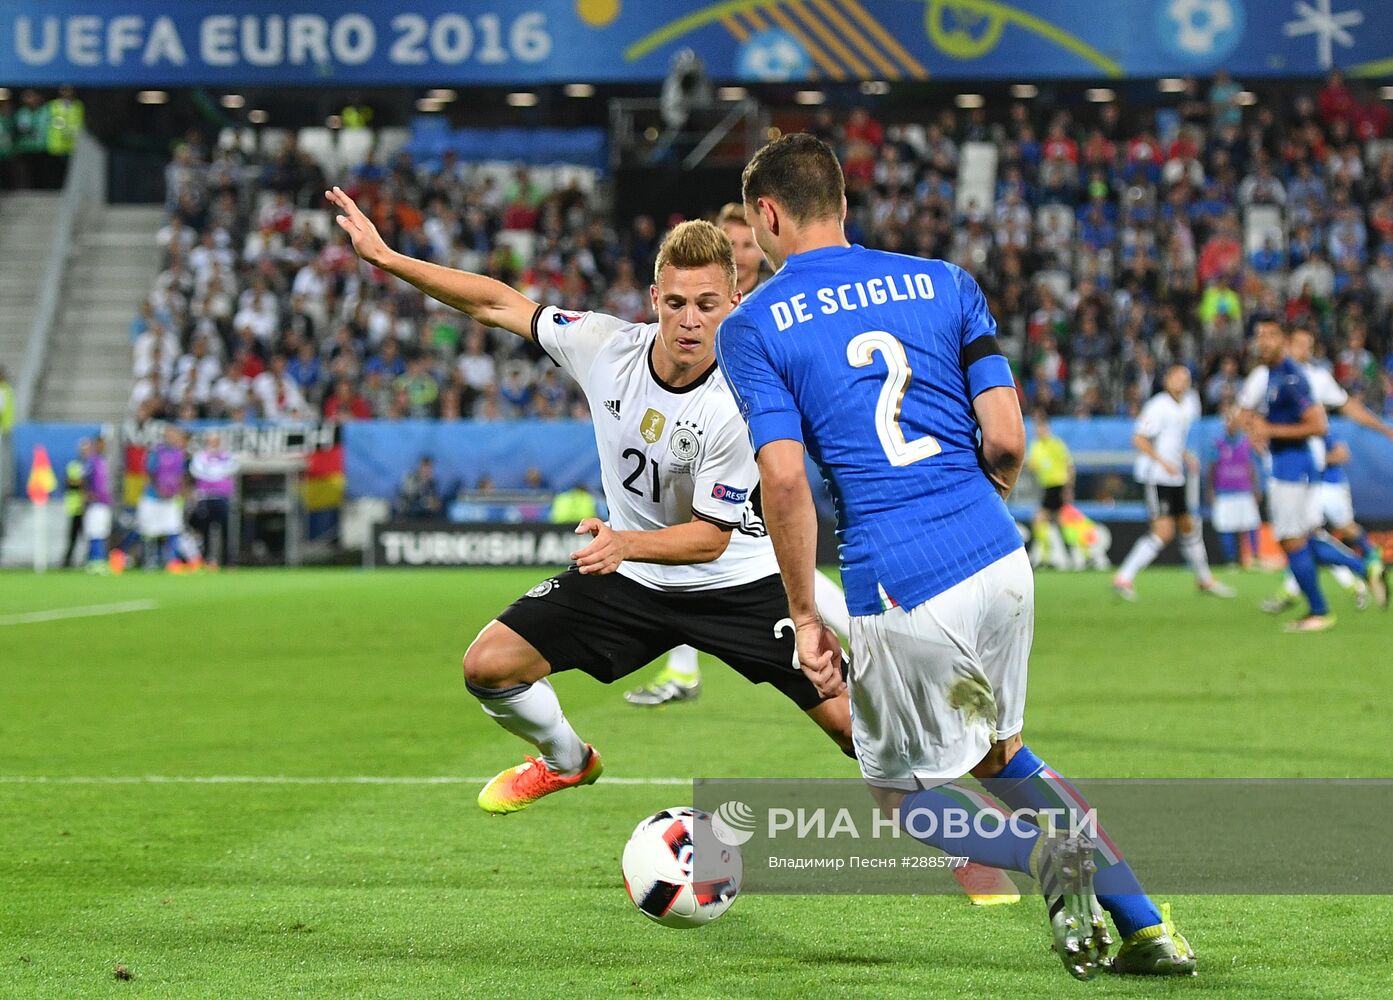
[(1365, 417), (486, 299)]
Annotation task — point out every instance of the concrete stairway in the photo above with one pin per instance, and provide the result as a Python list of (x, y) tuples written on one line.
[(26, 239), (114, 264)]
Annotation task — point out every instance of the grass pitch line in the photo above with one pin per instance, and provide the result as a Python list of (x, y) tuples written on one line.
[(86, 611), (283, 779)]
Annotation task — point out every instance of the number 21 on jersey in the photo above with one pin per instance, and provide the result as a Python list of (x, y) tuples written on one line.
[(860, 353)]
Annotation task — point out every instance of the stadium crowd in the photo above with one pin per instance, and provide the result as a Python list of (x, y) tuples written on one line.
[(1119, 241)]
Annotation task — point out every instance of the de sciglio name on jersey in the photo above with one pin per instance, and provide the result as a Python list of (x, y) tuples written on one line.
[(850, 297)]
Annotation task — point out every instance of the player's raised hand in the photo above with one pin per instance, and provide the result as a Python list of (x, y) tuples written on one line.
[(820, 656), (604, 554), (367, 242)]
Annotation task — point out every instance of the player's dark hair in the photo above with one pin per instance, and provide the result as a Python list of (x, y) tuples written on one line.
[(801, 173)]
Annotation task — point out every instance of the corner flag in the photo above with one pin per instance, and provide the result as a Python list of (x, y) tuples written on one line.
[(42, 481)]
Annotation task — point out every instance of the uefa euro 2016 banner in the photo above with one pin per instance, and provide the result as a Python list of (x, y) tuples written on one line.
[(159, 42)]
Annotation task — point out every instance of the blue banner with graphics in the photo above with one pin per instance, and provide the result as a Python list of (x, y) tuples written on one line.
[(433, 42)]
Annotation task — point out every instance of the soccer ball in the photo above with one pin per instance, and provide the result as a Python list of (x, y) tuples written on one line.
[(1199, 23), (773, 56), (677, 872)]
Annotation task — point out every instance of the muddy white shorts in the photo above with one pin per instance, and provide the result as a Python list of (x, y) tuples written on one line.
[(932, 688)]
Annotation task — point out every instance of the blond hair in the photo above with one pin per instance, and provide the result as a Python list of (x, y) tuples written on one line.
[(695, 244), (732, 213)]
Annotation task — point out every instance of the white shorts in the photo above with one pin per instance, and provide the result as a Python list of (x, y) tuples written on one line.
[(156, 518), (1295, 508), (1234, 512), (1336, 505), (932, 688), (96, 522)]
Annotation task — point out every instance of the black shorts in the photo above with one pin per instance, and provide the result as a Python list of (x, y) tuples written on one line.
[(1052, 499), (609, 626), (1165, 501)]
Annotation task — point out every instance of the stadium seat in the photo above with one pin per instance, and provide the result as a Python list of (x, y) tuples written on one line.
[(354, 146), (522, 243), (273, 140), (977, 177), (391, 141), (320, 144), (1261, 222), (317, 220)]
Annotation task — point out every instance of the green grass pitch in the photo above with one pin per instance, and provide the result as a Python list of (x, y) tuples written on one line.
[(407, 890)]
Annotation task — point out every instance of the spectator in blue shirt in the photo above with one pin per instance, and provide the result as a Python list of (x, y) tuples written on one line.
[(1267, 258), (387, 361), (305, 370)]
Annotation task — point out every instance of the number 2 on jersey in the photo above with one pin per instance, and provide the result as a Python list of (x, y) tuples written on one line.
[(860, 353)]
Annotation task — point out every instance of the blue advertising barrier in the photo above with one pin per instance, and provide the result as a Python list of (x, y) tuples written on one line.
[(441, 42), (377, 454)]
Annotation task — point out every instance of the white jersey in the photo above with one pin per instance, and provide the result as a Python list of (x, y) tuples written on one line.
[(666, 455), (1165, 421), (1324, 390)]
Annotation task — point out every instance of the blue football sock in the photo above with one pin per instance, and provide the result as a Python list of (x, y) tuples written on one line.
[(1360, 543), (96, 550), (943, 818), (1026, 782), (1302, 563), (1228, 541), (166, 550), (1253, 543), (1332, 553)]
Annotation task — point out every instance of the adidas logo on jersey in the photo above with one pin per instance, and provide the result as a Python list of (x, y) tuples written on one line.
[(613, 406)]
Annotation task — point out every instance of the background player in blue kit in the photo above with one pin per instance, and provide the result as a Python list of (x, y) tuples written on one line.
[(886, 368), (1293, 418)]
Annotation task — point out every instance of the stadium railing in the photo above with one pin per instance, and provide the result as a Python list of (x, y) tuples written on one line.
[(84, 185)]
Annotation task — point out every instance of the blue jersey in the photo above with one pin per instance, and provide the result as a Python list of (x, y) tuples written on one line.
[(1288, 397), (872, 361), (1336, 474)]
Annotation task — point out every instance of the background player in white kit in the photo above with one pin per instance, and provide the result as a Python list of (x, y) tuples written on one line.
[(684, 559), (680, 676), (1163, 468)]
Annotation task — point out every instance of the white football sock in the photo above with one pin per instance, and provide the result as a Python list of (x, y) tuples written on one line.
[(1148, 547), (1192, 548), (1344, 577), (1059, 552), (1290, 586), (831, 603), (532, 712), (682, 661)]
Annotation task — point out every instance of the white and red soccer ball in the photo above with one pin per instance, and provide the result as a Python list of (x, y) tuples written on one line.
[(678, 872)]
